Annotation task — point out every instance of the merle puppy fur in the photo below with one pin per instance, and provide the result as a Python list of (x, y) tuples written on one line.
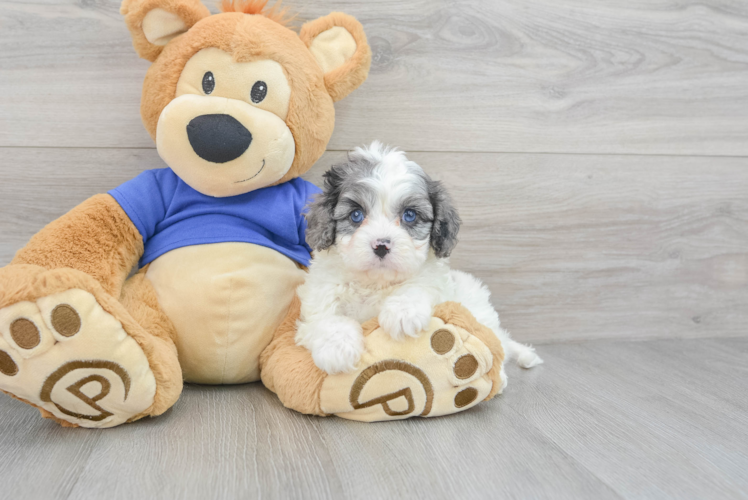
[(382, 231), (328, 215)]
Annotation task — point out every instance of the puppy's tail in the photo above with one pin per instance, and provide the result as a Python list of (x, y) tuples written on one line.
[(524, 355)]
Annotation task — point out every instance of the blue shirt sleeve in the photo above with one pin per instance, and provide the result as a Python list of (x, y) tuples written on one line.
[(146, 198)]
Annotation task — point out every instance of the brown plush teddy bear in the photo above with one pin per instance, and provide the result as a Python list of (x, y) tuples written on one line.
[(239, 106)]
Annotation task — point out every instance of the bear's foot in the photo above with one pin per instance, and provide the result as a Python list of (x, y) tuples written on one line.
[(444, 370), (66, 355)]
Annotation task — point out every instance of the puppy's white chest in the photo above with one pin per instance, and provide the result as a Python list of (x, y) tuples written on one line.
[(362, 304)]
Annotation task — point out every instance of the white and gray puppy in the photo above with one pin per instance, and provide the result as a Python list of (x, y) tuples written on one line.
[(382, 231)]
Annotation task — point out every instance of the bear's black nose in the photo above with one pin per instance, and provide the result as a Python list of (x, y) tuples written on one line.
[(218, 138)]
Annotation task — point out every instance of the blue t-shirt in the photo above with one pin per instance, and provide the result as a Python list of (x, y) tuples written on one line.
[(170, 214)]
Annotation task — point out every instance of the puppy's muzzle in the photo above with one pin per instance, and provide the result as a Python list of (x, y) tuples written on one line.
[(218, 138)]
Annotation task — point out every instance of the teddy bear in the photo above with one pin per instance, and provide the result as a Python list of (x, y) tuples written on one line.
[(239, 106)]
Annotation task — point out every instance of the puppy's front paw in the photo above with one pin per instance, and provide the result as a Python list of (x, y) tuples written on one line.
[(405, 315), (338, 346)]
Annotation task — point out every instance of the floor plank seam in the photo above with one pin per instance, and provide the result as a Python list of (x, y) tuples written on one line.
[(427, 151)]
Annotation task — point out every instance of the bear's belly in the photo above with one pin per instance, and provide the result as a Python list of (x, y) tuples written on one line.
[(225, 300)]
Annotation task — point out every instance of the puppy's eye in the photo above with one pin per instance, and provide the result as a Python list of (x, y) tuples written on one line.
[(409, 215), (209, 83), (259, 91), (357, 216)]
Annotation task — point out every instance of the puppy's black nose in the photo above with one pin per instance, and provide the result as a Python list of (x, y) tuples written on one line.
[(381, 251), (218, 138)]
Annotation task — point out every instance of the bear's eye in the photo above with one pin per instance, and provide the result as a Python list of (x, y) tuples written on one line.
[(357, 216), (409, 215), (259, 91), (209, 83)]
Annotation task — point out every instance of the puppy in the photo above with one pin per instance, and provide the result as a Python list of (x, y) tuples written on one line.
[(382, 232)]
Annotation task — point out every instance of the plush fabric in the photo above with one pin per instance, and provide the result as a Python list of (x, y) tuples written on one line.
[(29, 283), (333, 48), (454, 314), (135, 11), (161, 26), (288, 369), (234, 79), (215, 301), (225, 301), (140, 300), (169, 215), (342, 80), (394, 380), (277, 12), (311, 116), (82, 356), (96, 238), (252, 147)]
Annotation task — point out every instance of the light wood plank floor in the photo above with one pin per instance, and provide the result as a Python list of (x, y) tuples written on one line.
[(598, 152), (573, 247), (612, 76), (601, 419)]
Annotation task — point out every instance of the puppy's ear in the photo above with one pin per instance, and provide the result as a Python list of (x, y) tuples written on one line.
[(320, 230), (446, 220), (153, 23), (338, 43)]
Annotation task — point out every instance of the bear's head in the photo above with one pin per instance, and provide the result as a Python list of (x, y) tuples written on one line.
[(237, 101)]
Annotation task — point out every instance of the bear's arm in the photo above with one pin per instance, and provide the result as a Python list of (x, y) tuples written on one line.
[(96, 237)]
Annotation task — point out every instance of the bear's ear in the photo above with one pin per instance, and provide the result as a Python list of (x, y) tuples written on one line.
[(338, 43), (153, 23)]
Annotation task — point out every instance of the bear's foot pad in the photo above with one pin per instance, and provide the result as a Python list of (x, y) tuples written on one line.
[(64, 354), (444, 370)]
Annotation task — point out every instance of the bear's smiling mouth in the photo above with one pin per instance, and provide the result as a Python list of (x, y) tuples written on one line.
[(258, 173)]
